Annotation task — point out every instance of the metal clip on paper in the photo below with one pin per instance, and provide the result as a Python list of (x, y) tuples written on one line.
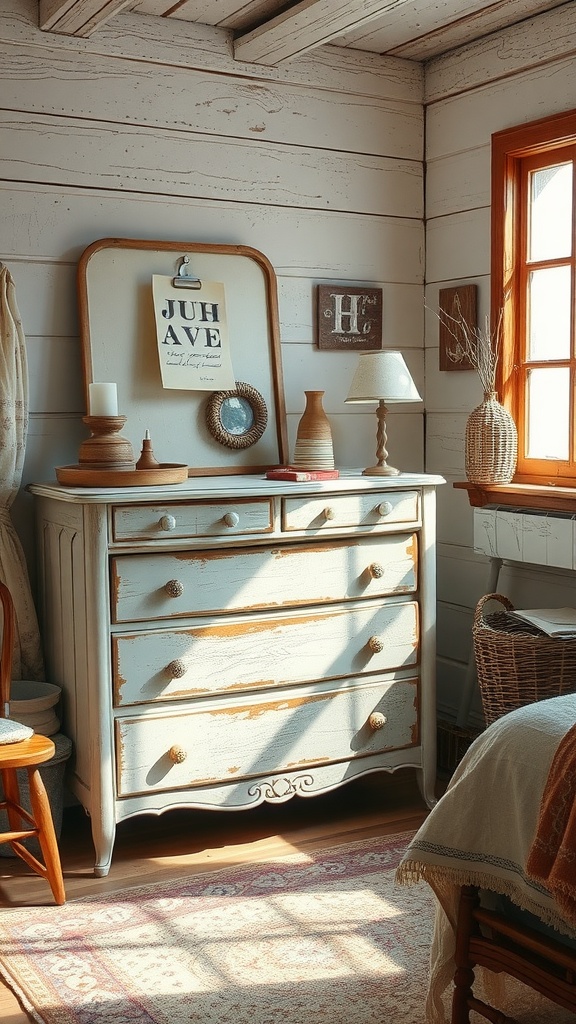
[(184, 278)]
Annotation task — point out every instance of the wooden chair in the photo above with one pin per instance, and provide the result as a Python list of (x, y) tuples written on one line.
[(25, 754), (504, 946)]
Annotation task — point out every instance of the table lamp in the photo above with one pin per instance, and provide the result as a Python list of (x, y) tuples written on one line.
[(382, 377)]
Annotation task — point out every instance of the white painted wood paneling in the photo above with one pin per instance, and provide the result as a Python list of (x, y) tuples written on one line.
[(139, 159), (447, 135), (216, 105), (152, 130), (458, 246), (55, 375), (463, 576), (402, 313), (47, 289), (354, 438), (332, 372), (471, 169), (518, 75), (538, 42), (54, 222), (454, 638), (157, 41)]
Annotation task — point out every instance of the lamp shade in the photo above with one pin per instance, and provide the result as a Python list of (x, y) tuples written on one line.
[(382, 376)]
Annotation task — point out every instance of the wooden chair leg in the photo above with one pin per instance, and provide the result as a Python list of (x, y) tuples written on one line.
[(464, 974), (12, 797), (46, 834)]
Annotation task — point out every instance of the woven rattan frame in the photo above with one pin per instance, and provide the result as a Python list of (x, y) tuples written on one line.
[(214, 416), (516, 663)]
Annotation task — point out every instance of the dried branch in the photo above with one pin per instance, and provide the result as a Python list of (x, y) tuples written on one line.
[(479, 345)]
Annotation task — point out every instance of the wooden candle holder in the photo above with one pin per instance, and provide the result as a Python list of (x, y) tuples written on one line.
[(105, 448)]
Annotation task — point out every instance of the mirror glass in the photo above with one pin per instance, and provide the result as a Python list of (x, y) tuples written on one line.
[(236, 416)]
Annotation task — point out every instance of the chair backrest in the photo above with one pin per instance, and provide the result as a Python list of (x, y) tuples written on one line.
[(7, 650)]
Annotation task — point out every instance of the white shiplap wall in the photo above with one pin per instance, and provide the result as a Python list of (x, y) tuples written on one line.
[(520, 75), (149, 129)]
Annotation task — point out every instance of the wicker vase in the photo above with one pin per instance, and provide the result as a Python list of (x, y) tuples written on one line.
[(314, 449), (491, 443)]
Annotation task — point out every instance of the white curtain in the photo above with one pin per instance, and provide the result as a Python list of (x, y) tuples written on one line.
[(28, 661)]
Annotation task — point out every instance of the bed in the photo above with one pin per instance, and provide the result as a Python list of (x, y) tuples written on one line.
[(502, 924)]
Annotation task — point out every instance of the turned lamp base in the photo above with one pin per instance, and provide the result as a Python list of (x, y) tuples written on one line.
[(383, 470)]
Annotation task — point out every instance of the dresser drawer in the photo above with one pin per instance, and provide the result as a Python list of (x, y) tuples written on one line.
[(256, 652), (350, 510), (193, 519), (171, 585), (232, 740)]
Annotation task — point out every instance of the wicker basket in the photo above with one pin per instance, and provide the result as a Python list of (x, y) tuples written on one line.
[(516, 663), (452, 743)]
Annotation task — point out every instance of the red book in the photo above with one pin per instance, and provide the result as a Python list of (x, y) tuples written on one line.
[(301, 475)]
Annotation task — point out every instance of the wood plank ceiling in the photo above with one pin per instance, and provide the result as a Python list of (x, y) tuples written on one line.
[(270, 32)]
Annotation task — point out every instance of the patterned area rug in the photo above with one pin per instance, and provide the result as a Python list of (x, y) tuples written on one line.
[(323, 937), (320, 938)]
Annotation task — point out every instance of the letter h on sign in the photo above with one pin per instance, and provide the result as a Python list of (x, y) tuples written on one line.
[(349, 317)]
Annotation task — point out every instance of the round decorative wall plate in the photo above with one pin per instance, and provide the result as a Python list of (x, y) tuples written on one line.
[(237, 418)]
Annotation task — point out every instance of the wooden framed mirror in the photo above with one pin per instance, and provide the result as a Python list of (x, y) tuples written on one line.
[(119, 344)]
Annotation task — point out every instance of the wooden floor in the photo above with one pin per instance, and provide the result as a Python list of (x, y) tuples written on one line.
[(150, 848)]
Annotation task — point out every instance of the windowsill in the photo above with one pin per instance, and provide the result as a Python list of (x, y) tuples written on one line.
[(547, 499)]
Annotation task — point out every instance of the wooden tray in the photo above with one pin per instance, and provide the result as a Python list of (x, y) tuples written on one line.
[(80, 476)]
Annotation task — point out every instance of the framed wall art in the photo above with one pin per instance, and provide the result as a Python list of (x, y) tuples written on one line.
[(460, 303), (349, 317), (152, 320)]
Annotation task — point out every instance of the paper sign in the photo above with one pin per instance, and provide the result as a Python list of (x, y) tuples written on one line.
[(192, 334)]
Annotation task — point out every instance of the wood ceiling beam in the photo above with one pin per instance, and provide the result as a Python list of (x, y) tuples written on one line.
[(305, 26), (77, 17)]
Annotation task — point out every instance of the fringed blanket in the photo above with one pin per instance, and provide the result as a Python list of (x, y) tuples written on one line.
[(482, 830), (552, 857)]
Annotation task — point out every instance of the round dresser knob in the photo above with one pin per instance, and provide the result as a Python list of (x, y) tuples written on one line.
[(376, 571), (375, 644), (177, 754), (231, 519), (167, 523), (384, 508), (174, 588), (377, 720), (176, 669), (329, 513)]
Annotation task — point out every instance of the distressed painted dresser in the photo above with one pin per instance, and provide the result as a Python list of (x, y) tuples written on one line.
[(233, 640)]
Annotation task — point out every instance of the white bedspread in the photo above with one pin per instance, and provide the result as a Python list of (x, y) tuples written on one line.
[(481, 831)]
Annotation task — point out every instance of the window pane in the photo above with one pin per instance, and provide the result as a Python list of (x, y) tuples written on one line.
[(548, 409), (549, 314), (550, 212)]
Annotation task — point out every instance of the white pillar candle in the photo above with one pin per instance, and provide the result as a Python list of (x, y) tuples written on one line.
[(103, 400)]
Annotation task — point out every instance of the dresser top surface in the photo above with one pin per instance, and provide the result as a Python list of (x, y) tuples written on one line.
[(217, 487)]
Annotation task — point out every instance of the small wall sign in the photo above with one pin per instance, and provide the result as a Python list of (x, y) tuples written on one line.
[(459, 303), (349, 318)]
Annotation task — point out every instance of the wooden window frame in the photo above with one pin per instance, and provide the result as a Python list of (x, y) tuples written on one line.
[(509, 148)]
